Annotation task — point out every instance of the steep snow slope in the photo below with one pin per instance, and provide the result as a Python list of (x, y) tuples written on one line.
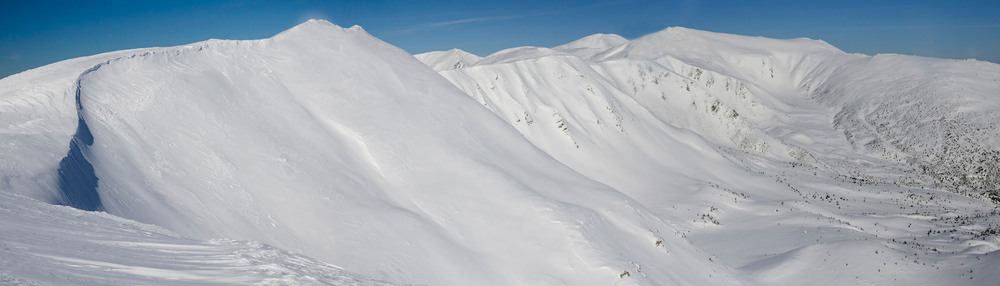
[(777, 162), (570, 110), (450, 59), (729, 88), (43, 244), (329, 142)]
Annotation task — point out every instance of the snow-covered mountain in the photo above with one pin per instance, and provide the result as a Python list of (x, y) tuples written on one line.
[(810, 157), (323, 155), (328, 142), (590, 46), (450, 59)]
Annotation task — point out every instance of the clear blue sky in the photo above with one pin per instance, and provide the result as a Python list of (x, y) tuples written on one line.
[(35, 33)]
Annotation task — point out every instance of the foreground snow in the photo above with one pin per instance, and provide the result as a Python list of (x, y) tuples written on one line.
[(45, 244)]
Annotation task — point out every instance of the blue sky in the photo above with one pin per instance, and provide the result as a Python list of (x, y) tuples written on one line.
[(35, 33)]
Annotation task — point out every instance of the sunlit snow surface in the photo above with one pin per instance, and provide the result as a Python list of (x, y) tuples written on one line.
[(52, 245), (683, 157)]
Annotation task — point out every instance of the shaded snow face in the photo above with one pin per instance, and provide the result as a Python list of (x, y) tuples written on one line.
[(77, 180)]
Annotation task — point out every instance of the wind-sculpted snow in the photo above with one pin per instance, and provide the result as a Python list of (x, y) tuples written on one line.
[(77, 181), (42, 244), (329, 142), (37, 121)]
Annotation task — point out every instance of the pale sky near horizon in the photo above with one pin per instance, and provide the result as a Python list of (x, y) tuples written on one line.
[(36, 33)]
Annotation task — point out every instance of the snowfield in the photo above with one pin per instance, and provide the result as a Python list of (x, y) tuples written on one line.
[(323, 155), (791, 161)]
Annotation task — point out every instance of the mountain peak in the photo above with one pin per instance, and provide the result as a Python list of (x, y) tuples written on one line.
[(589, 46), (317, 27), (450, 59), (315, 24), (595, 39)]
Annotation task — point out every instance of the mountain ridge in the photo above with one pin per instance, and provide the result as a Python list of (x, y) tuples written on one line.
[(599, 162)]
